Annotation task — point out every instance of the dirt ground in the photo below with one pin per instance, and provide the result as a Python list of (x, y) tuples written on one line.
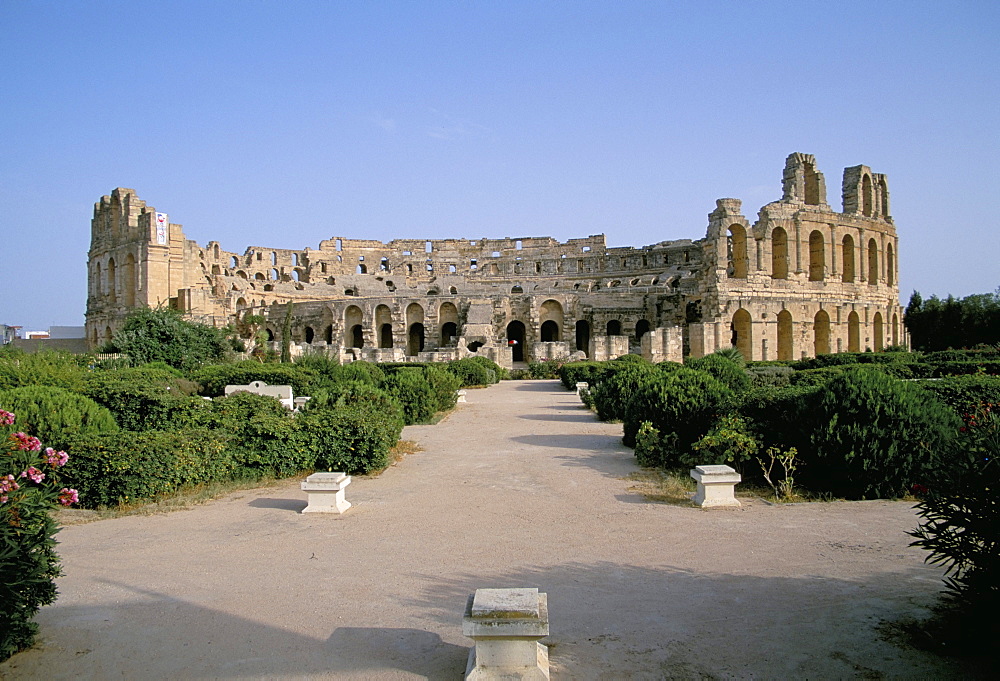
[(519, 487)]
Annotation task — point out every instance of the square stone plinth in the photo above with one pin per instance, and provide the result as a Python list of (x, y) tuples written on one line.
[(506, 625), (326, 493), (716, 486)]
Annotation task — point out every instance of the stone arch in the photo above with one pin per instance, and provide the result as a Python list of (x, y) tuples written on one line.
[(549, 331), (737, 243), (516, 336), (448, 321), (821, 333), (354, 336), (867, 195), (108, 336), (779, 253), (234, 262), (817, 256), (742, 333), (879, 332), (516, 289), (98, 284), (383, 322), (241, 303), (361, 269), (895, 329), (890, 266), (853, 332), (259, 276), (847, 259), (274, 274), (786, 348), (551, 317), (614, 327), (583, 336), (112, 288), (872, 262), (884, 196), (415, 329), (215, 251), (641, 329), (328, 334), (129, 283), (309, 334)]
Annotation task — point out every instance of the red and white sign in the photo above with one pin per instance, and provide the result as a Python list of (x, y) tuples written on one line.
[(161, 228)]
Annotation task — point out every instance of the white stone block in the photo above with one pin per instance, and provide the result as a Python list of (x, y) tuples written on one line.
[(506, 625), (461, 396), (581, 386), (326, 493), (716, 486)]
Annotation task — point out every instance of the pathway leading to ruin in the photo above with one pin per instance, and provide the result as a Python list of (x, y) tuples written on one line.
[(521, 486)]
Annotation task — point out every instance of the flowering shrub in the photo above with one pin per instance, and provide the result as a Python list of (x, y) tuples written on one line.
[(29, 488)]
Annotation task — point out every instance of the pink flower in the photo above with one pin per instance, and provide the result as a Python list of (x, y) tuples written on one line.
[(26, 442), (6, 418), (68, 496), (8, 484), (33, 473), (54, 458)]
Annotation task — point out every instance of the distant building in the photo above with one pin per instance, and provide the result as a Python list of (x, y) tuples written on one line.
[(9, 333), (69, 338)]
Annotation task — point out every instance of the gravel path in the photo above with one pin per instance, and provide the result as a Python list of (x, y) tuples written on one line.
[(521, 486)]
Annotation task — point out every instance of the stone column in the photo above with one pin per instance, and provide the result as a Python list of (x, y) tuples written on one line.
[(506, 625)]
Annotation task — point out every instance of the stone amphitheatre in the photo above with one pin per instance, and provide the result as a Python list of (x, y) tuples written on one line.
[(800, 280)]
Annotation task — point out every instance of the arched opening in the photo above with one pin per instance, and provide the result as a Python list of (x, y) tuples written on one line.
[(274, 258), (890, 266), (241, 274), (328, 334), (233, 262), (821, 333), (895, 329), (853, 332), (872, 262), (779, 253), (449, 332), (448, 319), (309, 333), (415, 329), (241, 303), (785, 346), (130, 280), (385, 335), (847, 259), (737, 244), (614, 328), (107, 334), (812, 185), (742, 338), (362, 269), (641, 329), (259, 276), (516, 289), (817, 256), (98, 281), (112, 292), (270, 335), (879, 332), (866, 196), (274, 274), (884, 195), (515, 339), (583, 336), (354, 331), (549, 331)]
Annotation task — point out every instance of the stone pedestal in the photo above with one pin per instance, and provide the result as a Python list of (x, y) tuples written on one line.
[(716, 486), (580, 387), (326, 493), (461, 396), (506, 625)]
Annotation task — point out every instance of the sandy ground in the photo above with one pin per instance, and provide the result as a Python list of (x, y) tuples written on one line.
[(521, 486)]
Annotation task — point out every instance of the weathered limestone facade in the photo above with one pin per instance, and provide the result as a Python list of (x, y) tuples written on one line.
[(800, 280)]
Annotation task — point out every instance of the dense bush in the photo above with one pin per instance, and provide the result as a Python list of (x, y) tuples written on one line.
[(612, 395), (359, 371), (965, 394), (989, 367), (261, 432), (163, 335), (215, 378), (112, 469), (355, 392), (414, 393), (779, 416), (726, 370), (775, 376), (874, 436), (588, 372), (444, 387), (146, 398), (488, 363), (355, 438), (823, 361), (55, 415), (682, 405), (471, 373), (29, 489), (60, 369), (936, 324), (544, 370)]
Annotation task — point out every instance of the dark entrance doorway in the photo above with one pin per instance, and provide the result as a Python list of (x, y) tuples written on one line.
[(583, 336), (515, 338), (415, 340), (550, 331)]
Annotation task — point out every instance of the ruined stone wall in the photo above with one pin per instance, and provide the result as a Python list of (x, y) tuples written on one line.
[(801, 279)]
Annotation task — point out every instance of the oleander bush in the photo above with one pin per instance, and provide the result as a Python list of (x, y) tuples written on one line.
[(874, 436), (56, 415), (30, 482)]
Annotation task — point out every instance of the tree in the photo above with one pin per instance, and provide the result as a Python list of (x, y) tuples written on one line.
[(163, 335), (936, 324)]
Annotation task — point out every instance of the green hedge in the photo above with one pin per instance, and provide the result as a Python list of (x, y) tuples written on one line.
[(147, 399), (471, 372), (261, 436), (59, 369), (56, 415), (727, 371), (588, 372), (964, 394), (414, 393), (354, 438), (216, 377)]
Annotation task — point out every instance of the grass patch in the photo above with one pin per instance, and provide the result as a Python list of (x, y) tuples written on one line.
[(662, 487), (403, 449)]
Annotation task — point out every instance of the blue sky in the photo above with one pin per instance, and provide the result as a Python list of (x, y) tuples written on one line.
[(259, 123)]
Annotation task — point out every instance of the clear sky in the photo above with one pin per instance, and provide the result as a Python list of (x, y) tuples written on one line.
[(282, 124)]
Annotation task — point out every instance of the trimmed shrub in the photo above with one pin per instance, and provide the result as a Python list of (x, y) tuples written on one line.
[(823, 361), (729, 441), (359, 371), (216, 377), (590, 373), (261, 436), (774, 375), (612, 395), (726, 370), (874, 436), (682, 405), (56, 415), (965, 394), (147, 399), (488, 363), (816, 377), (59, 369), (988, 367), (444, 386), (113, 469), (471, 373), (779, 416), (414, 393), (355, 392), (355, 438), (544, 370)]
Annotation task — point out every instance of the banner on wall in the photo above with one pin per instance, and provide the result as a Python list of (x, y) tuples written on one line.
[(161, 228)]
